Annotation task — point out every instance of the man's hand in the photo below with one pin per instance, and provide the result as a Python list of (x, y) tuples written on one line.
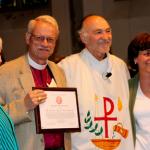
[(34, 98)]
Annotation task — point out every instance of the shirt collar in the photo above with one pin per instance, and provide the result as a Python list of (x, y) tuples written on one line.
[(103, 65), (35, 65)]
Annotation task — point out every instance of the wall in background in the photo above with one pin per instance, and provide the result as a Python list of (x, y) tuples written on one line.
[(13, 27), (127, 18)]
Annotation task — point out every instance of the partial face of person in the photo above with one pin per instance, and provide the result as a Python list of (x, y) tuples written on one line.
[(0, 57), (42, 42), (97, 37), (0, 51), (143, 61)]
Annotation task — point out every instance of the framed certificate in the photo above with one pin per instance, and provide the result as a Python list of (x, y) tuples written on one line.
[(60, 111)]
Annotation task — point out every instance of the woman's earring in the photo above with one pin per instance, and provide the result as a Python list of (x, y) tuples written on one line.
[(135, 62)]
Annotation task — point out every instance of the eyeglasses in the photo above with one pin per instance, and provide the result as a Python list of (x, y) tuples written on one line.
[(145, 52), (40, 39)]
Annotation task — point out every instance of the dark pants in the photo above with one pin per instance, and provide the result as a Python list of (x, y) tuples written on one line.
[(61, 148)]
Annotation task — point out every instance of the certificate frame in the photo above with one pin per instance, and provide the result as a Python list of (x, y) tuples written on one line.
[(72, 110)]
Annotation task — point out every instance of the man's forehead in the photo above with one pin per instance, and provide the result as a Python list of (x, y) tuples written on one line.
[(95, 22)]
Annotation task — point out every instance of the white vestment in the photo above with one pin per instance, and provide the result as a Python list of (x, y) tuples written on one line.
[(103, 102)]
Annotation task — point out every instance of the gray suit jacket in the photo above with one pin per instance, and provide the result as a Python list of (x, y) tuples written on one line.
[(16, 81)]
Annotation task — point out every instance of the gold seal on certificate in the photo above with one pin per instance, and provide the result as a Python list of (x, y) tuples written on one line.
[(59, 112)]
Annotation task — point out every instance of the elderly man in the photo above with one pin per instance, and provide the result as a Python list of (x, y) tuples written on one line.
[(33, 69), (102, 84)]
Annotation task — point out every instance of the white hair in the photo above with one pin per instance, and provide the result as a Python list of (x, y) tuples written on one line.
[(44, 18)]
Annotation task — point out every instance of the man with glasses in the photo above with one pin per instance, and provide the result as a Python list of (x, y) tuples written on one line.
[(33, 69)]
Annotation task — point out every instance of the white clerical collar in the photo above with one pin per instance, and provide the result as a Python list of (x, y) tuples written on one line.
[(34, 64), (103, 65)]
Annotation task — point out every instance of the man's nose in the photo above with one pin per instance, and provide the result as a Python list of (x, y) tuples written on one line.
[(106, 35), (45, 41)]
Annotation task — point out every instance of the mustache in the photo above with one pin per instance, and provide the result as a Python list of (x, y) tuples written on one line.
[(104, 41), (44, 48)]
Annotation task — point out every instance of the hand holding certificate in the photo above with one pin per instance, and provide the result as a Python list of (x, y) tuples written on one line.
[(60, 111)]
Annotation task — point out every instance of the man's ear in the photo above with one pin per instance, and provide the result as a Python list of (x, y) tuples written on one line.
[(83, 37), (27, 38)]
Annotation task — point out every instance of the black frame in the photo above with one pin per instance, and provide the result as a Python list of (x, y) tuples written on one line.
[(38, 118)]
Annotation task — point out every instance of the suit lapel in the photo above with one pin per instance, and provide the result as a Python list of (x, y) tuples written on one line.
[(58, 74), (53, 71), (26, 78)]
